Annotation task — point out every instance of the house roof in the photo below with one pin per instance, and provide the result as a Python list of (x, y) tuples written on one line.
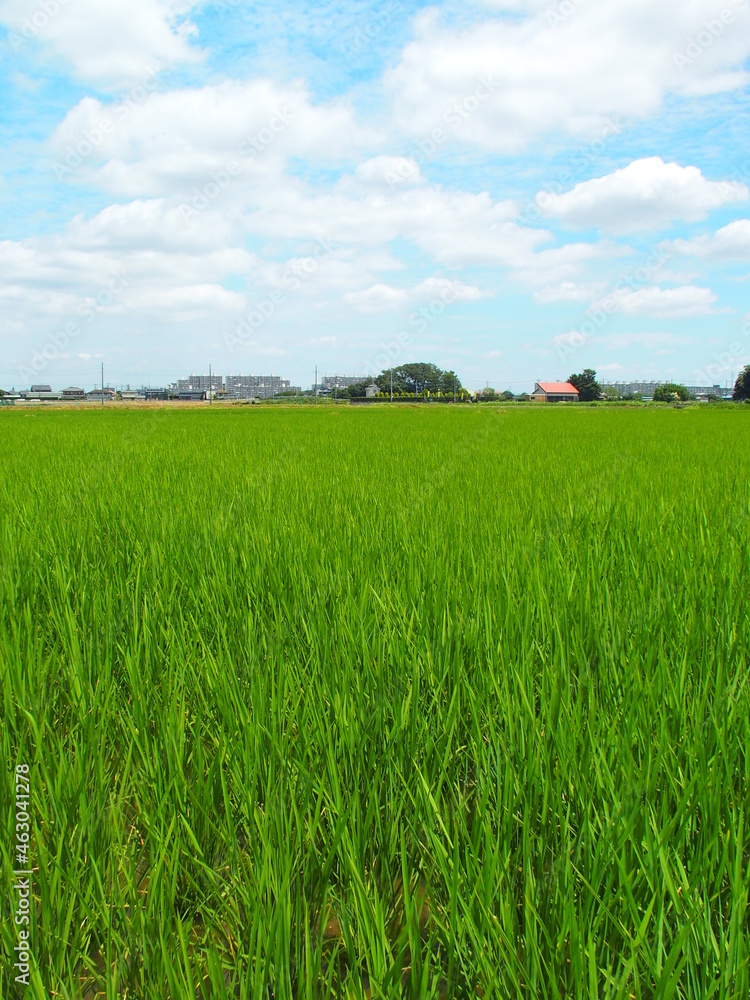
[(558, 388)]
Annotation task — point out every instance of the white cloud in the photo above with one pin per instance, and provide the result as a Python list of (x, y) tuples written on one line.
[(381, 297), (377, 298), (179, 301), (177, 141), (106, 41), (556, 268), (663, 303), (731, 242), (389, 170), (568, 74), (434, 288), (568, 291), (648, 194)]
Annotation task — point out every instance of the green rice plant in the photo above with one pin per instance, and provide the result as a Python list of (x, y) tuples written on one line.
[(373, 702)]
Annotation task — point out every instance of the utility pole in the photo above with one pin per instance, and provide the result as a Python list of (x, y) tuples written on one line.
[(316, 385), (391, 384)]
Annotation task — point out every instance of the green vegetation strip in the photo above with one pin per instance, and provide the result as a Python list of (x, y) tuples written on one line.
[(360, 702)]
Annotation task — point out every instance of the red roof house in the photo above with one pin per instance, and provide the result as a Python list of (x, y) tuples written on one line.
[(555, 392)]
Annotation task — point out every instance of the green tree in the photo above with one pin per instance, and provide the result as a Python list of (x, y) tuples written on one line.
[(588, 387), (742, 385), (418, 377), (670, 392)]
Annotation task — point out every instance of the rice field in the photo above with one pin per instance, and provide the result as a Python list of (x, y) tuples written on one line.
[(361, 702)]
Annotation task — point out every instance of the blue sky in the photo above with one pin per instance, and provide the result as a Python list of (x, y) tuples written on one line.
[(512, 188)]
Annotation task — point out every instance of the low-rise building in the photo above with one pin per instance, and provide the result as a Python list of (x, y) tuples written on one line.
[(73, 392), (104, 395), (555, 392), (39, 393)]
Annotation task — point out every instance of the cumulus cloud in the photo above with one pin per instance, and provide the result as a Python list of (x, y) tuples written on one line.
[(731, 242), (568, 291), (381, 297), (105, 42), (162, 142), (648, 194), (503, 81), (389, 170), (377, 298), (663, 303)]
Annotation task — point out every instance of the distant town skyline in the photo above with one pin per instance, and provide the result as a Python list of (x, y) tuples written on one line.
[(513, 189), (268, 385)]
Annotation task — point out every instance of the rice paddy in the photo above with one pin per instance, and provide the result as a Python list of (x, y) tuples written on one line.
[(361, 702)]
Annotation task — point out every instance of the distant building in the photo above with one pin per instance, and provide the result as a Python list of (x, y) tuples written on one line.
[(255, 386), (372, 390), (332, 382), (646, 390), (708, 391), (39, 392), (202, 382), (101, 395), (132, 394), (152, 394), (555, 392), (73, 392), (190, 395)]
